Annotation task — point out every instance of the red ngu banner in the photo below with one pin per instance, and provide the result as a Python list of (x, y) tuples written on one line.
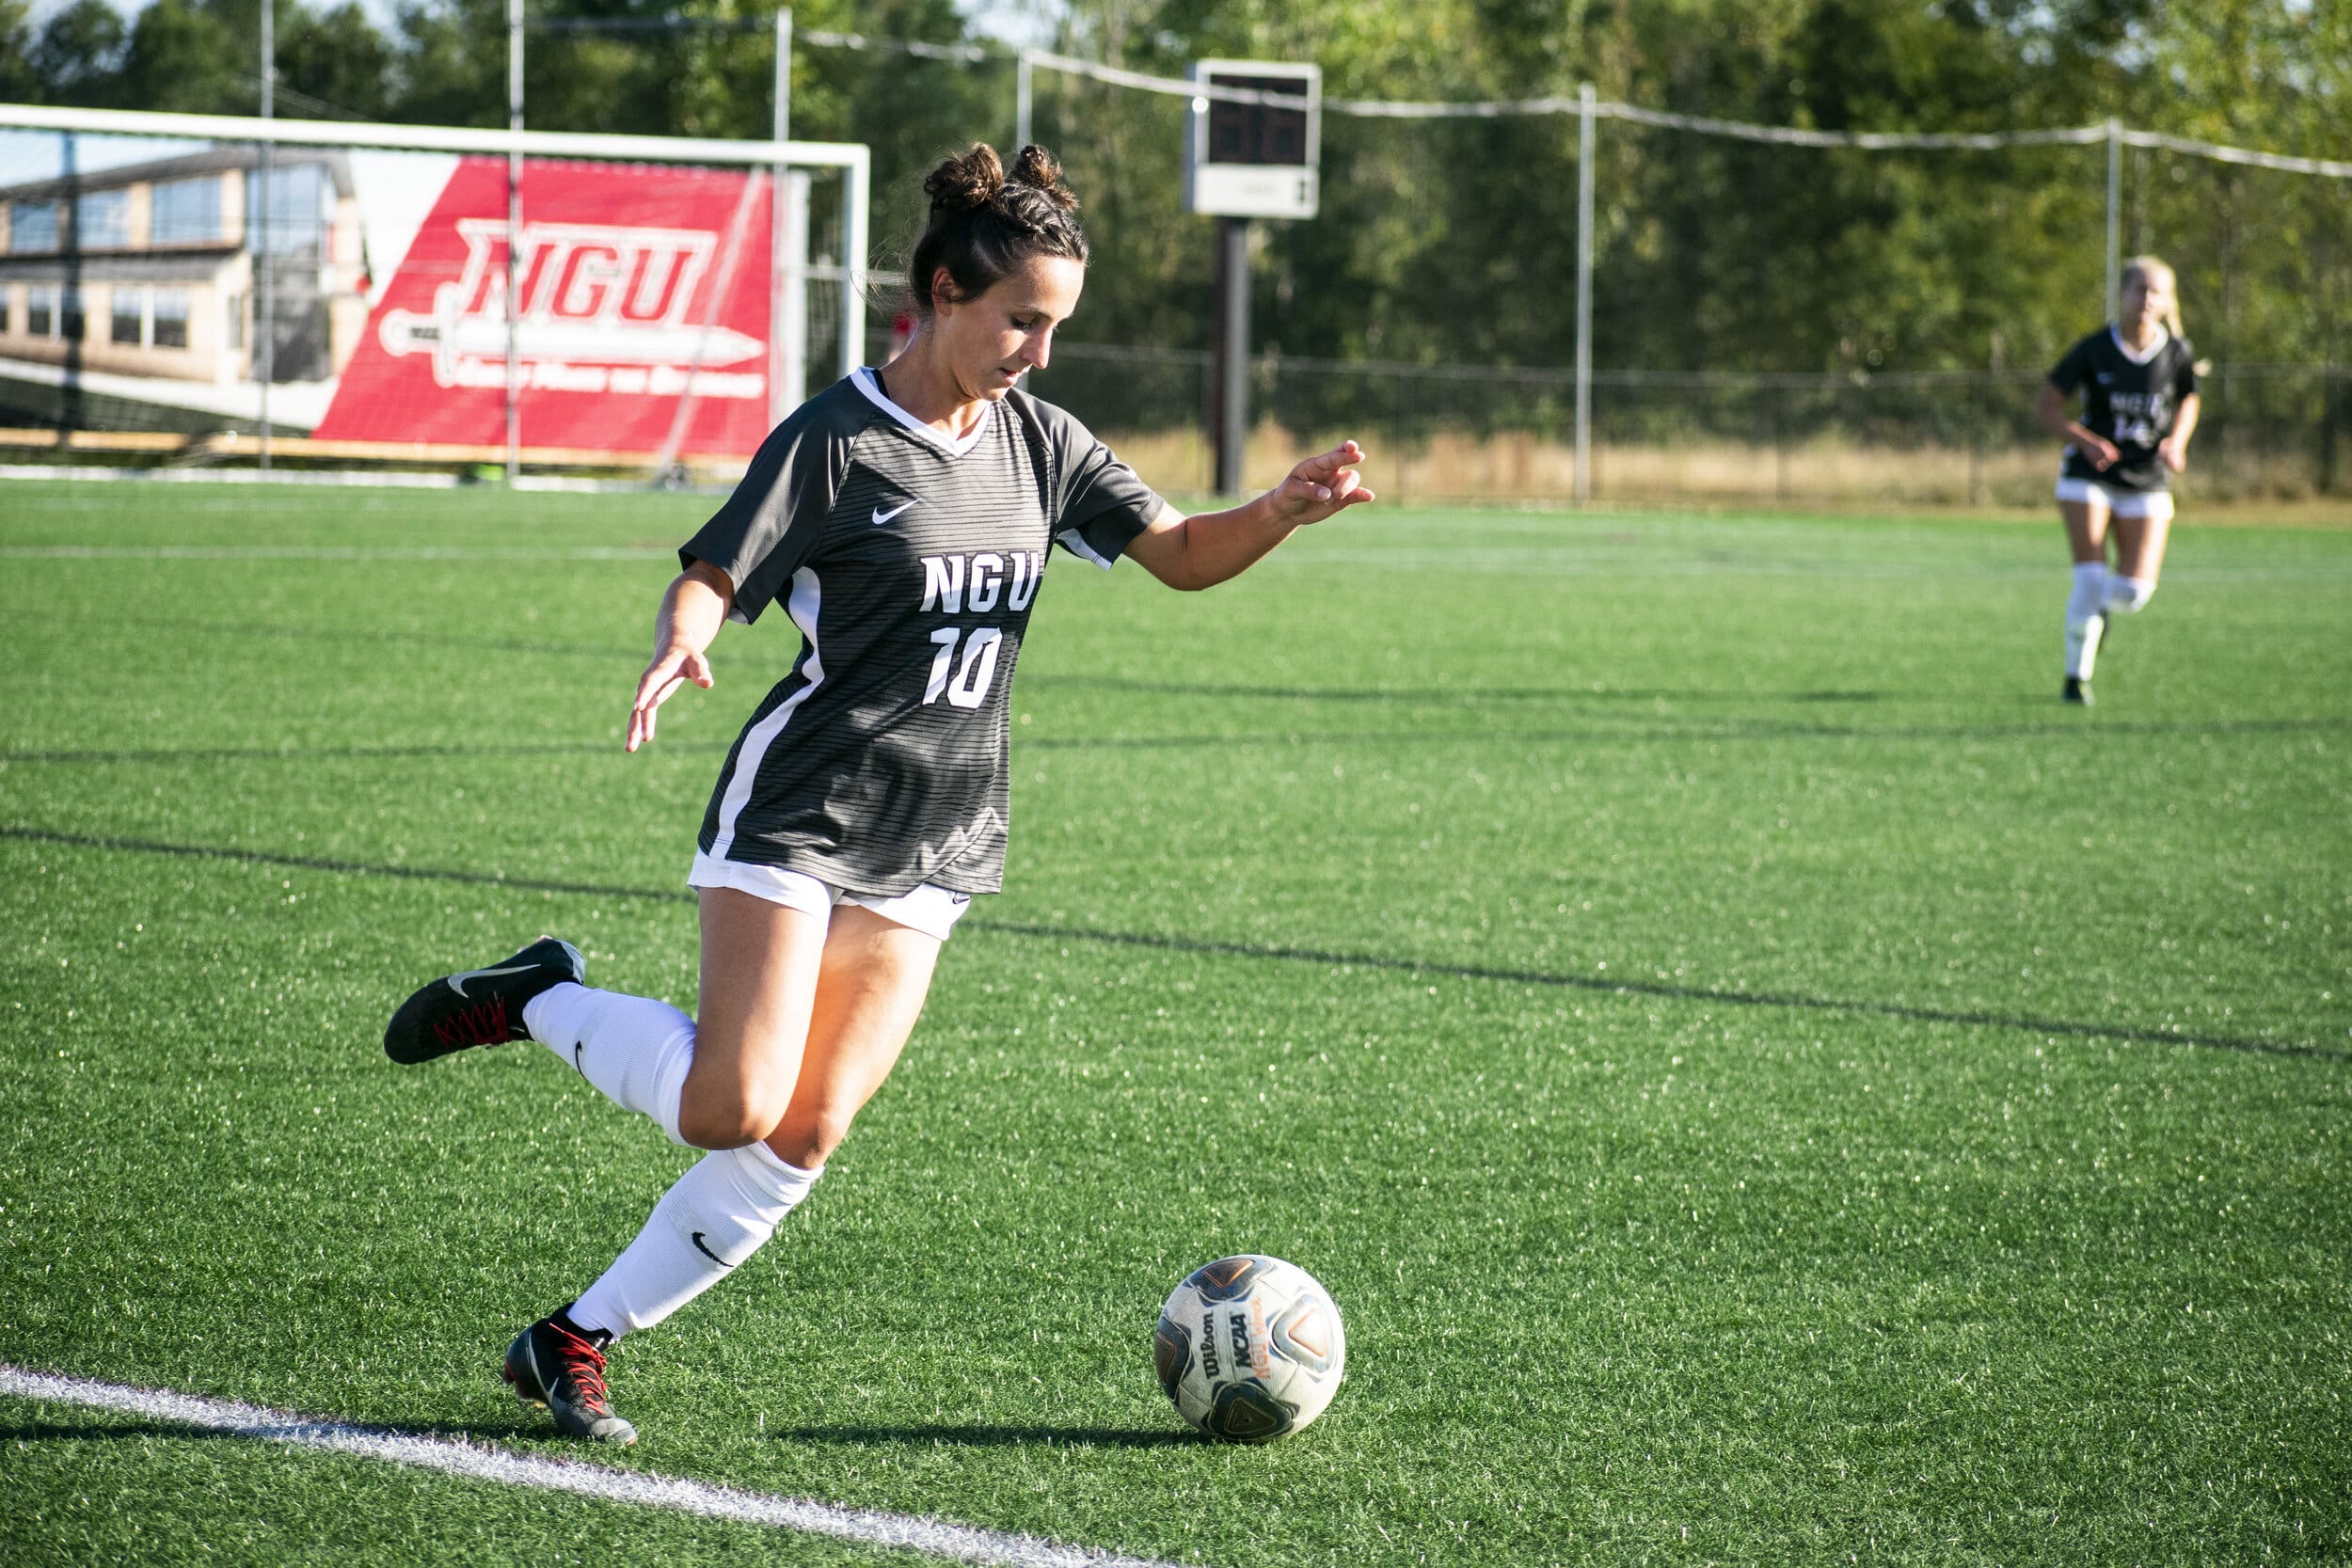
[(644, 324)]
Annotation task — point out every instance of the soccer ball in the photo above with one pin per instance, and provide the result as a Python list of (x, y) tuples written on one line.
[(1250, 1349)]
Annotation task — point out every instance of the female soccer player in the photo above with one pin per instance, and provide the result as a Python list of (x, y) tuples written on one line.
[(904, 517), (2139, 377)]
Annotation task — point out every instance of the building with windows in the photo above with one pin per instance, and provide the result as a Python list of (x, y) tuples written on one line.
[(153, 269)]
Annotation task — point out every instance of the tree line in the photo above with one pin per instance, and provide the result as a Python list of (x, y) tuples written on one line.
[(1454, 241)]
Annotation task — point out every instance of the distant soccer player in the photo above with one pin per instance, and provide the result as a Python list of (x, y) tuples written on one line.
[(904, 517), (2138, 380)]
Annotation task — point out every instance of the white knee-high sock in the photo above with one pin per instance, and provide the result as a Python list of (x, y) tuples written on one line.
[(717, 1215), (2083, 625), (633, 1049), (2126, 596)]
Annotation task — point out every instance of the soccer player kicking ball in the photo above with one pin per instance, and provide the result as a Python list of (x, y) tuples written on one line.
[(903, 517), (2138, 380)]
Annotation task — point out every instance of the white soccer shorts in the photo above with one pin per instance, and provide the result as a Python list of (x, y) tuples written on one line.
[(2122, 502), (932, 911)]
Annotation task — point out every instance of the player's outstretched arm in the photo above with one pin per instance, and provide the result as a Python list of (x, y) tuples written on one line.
[(691, 613), (1203, 551)]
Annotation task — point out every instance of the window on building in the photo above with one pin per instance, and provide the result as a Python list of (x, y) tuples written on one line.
[(170, 316), (72, 325), (300, 203), (102, 220), (128, 324), (32, 227), (186, 212), (40, 314), (232, 319)]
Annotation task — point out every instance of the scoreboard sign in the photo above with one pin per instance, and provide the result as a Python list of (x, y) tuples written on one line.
[(1255, 160)]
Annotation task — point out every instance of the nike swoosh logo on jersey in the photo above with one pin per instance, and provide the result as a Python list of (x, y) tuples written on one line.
[(880, 517), (707, 1253), (457, 982)]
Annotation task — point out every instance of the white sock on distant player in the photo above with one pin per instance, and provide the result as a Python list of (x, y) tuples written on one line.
[(2126, 596), (634, 1050), (2083, 625), (717, 1215)]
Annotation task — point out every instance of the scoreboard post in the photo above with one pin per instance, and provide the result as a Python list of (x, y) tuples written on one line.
[(1243, 161)]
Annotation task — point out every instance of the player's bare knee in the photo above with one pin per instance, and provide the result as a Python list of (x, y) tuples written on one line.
[(808, 1140), (728, 1117), (717, 1130)]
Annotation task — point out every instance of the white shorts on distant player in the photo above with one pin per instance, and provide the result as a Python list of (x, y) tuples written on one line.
[(2122, 502)]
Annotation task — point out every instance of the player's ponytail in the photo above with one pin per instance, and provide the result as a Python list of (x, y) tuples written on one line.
[(985, 224), (2145, 267)]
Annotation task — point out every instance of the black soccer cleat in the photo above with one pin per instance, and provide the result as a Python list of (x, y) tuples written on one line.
[(552, 1363), (480, 1006), (2076, 691)]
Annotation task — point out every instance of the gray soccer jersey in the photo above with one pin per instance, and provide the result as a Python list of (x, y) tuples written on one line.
[(910, 564)]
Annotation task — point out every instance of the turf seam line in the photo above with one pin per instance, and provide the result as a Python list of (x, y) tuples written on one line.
[(479, 1462), (1250, 950)]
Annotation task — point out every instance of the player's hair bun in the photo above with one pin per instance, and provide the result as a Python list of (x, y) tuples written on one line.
[(967, 179), (984, 224), (1040, 171)]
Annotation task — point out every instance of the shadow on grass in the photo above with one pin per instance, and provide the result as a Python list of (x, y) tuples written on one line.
[(1448, 696), (88, 1431), (322, 754), (2054, 1027), (469, 642), (2070, 727), (981, 1436), (348, 868), (2030, 1023)]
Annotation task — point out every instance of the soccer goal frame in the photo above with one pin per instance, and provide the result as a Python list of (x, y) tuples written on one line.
[(787, 162)]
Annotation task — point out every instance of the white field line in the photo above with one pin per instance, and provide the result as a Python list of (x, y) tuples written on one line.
[(906, 1532)]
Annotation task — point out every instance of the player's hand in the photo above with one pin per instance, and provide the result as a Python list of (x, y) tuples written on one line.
[(671, 669), (2103, 453), (2174, 453), (1321, 485)]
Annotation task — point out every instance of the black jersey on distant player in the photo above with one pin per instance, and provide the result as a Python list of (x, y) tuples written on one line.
[(909, 562), (2130, 398)]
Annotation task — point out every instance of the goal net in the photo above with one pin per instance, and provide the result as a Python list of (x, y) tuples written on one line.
[(183, 289)]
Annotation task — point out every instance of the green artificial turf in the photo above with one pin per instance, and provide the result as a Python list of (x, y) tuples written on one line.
[(1762, 1079), (89, 1487)]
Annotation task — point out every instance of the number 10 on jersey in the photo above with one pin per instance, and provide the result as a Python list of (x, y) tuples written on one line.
[(963, 684)]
